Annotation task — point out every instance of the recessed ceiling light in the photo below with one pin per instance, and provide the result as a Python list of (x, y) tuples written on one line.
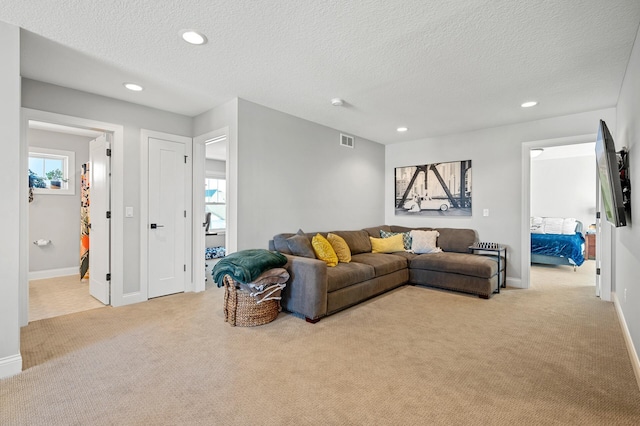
[(134, 87), (402, 129), (193, 37), (529, 104), (337, 102)]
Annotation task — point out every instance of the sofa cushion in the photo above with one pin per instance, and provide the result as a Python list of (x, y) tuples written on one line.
[(340, 246), (406, 237), (323, 250), (280, 243), (457, 240), (358, 241), (381, 262), (424, 241), (300, 245), (346, 274), (395, 228), (387, 245), (458, 263), (375, 231)]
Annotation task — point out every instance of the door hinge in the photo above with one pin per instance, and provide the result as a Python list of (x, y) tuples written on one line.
[(185, 268), (108, 277), (108, 152), (185, 159), (597, 215), (108, 215), (597, 271), (185, 213)]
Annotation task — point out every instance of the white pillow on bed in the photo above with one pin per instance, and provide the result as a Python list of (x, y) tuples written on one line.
[(569, 226), (537, 225), (553, 225)]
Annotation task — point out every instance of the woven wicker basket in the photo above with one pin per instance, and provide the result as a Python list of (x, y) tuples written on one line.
[(242, 310)]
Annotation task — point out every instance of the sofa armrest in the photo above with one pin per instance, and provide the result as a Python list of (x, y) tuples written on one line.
[(306, 290)]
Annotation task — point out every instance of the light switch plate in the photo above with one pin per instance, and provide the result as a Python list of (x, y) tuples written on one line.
[(485, 212), (128, 211)]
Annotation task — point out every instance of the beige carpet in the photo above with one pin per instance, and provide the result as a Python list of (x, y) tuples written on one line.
[(553, 354), (53, 297)]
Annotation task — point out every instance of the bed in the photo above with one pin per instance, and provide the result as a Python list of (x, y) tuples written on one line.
[(557, 241)]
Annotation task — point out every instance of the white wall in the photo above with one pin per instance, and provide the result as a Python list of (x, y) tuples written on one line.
[(627, 239), (496, 156), (564, 187), (47, 97), (10, 360), (294, 174), (57, 217)]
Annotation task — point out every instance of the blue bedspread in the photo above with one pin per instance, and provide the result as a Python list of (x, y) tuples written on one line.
[(569, 246)]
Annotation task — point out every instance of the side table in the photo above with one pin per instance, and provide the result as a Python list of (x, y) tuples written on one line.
[(479, 247)]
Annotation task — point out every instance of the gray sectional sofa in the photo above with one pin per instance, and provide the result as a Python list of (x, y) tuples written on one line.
[(315, 290)]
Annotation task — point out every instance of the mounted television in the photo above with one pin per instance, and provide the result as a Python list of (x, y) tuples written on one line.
[(609, 175)]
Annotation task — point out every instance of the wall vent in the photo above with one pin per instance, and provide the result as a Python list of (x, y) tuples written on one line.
[(346, 140)]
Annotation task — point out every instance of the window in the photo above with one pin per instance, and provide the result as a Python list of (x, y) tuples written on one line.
[(215, 191), (51, 171)]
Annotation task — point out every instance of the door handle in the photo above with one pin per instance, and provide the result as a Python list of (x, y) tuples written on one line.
[(154, 226)]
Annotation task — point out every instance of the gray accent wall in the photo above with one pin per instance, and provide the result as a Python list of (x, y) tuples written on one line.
[(53, 216), (48, 97), (293, 173), (627, 239), (497, 174)]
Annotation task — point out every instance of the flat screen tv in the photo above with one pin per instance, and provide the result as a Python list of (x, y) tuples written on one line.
[(609, 175)]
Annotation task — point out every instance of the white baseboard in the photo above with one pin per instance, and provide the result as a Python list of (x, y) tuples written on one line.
[(514, 282), (10, 366), (633, 355), (53, 273)]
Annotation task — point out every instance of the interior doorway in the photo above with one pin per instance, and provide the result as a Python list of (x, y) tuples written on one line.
[(61, 270), (563, 187), (115, 233), (586, 215)]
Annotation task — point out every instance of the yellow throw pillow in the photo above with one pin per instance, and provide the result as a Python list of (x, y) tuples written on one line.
[(387, 245), (340, 246), (323, 250)]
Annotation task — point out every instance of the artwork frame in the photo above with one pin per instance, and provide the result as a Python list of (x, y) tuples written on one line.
[(434, 190)]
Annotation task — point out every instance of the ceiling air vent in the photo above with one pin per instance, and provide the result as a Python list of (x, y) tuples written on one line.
[(346, 140)]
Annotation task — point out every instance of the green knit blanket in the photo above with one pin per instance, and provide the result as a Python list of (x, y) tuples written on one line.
[(246, 265)]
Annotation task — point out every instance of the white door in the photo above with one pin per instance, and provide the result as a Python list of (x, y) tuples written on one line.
[(99, 210), (167, 217)]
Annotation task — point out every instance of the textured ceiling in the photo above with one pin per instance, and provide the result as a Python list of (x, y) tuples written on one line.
[(437, 67)]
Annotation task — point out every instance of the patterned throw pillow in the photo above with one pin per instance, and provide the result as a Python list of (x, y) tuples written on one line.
[(424, 242), (406, 237), (323, 250)]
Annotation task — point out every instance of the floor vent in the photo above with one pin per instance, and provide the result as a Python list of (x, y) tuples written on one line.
[(346, 140)]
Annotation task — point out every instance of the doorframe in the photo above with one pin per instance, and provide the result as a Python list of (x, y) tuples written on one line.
[(199, 175), (117, 201), (145, 134), (525, 231)]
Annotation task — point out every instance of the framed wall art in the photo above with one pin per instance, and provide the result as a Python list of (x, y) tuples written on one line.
[(438, 189)]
